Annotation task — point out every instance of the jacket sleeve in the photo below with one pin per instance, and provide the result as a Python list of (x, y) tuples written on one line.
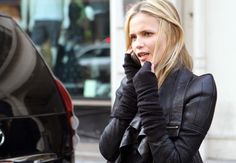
[(199, 106), (111, 137)]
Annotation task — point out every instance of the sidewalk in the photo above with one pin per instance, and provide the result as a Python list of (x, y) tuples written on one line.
[(220, 161), (88, 152)]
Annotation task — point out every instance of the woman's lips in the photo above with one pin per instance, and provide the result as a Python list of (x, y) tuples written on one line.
[(142, 54)]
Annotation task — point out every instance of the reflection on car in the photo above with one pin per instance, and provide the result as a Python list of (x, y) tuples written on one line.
[(37, 121), (86, 71)]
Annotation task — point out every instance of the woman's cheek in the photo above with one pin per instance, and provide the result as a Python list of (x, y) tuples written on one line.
[(149, 58)]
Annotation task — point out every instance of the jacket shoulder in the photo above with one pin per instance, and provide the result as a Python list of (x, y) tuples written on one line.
[(204, 83), (200, 101)]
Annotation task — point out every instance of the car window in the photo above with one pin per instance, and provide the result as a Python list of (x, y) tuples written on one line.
[(88, 73)]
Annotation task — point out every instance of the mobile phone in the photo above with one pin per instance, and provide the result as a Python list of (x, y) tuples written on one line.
[(135, 58)]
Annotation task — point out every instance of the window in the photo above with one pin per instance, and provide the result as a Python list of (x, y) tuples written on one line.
[(87, 73), (84, 62)]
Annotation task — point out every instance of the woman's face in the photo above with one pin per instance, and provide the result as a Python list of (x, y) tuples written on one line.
[(143, 34)]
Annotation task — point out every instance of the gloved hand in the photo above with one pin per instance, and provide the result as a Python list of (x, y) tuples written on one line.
[(127, 108), (145, 79), (130, 67), (151, 113)]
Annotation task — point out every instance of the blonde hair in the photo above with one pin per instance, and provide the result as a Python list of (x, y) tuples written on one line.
[(175, 53)]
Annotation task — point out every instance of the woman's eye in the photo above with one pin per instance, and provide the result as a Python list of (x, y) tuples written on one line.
[(147, 34), (133, 38)]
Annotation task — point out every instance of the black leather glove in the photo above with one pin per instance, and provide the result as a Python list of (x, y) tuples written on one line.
[(145, 84), (127, 108)]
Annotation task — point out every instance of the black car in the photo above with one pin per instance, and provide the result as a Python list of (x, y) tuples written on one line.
[(37, 121)]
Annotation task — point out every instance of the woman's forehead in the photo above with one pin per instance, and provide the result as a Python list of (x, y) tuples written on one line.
[(142, 21)]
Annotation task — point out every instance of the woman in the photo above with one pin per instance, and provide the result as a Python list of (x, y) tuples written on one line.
[(162, 110)]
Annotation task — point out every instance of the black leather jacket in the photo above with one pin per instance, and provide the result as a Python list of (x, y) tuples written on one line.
[(188, 103)]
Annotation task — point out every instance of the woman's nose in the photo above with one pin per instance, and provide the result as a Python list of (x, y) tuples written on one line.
[(139, 43)]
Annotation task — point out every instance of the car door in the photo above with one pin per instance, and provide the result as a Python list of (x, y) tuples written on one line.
[(36, 114)]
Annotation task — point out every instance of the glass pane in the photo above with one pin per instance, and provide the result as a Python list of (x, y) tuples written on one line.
[(83, 63), (73, 36)]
